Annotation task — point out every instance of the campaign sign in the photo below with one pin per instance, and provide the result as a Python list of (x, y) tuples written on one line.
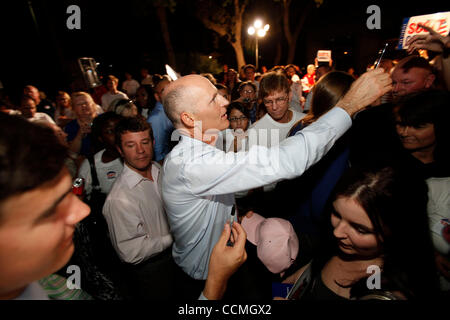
[(323, 55), (439, 22)]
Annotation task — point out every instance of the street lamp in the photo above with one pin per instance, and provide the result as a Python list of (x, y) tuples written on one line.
[(260, 32)]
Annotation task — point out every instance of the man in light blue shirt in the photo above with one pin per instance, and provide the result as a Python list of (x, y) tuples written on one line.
[(199, 180), (161, 125)]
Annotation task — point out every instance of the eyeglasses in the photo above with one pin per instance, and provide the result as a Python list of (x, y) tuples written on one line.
[(238, 119), (278, 101), (248, 91)]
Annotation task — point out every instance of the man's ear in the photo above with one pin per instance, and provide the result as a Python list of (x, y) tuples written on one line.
[(429, 80), (187, 120), (157, 98), (119, 150)]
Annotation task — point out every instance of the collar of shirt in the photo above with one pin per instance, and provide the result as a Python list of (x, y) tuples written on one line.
[(133, 178)]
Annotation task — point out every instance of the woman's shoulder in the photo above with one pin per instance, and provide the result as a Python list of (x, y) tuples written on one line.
[(296, 127)]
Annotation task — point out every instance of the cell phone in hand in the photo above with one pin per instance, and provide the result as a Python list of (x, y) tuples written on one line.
[(231, 243), (381, 55)]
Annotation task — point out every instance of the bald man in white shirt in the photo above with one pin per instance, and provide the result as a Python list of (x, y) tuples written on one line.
[(199, 180)]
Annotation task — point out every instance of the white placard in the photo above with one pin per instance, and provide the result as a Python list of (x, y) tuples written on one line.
[(440, 22), (323, 55)]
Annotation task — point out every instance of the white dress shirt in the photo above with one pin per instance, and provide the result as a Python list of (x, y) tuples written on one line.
[(135, 215), (199, 182)]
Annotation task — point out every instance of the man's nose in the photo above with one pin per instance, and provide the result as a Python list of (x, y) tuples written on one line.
[(223, 101), (140, 148), (77, 211), (395, 87)]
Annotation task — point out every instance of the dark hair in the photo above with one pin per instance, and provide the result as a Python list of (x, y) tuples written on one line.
[(325, 66), (30, 155), (210, 77), (326, 93), (273, 81), (414, 62), (238, 106), (278, 69), (220, 86), (131, 124), (236, 78), (249, 66), (246, 83), (291, 66), (100, 121), (150, 97), (157, 78), (428, 107), (396, 204)]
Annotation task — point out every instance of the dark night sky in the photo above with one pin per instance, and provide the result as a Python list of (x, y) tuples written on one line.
[(125, 35)]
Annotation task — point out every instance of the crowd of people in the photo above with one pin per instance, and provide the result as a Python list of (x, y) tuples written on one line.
[(218, 187)]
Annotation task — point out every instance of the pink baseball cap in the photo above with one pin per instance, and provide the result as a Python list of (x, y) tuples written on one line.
[(276, 241)]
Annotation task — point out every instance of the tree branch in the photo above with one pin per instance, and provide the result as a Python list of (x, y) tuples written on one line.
[(214, 26), (303, 17), (286, 28)]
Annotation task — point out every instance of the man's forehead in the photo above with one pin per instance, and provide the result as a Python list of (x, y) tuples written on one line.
[(131, 135), (33, 203), (411, 72), (276, 94)]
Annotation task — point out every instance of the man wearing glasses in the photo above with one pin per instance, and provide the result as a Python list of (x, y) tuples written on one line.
[(274, 91)]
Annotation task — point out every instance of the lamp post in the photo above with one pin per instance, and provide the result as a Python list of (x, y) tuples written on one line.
[(259, 32)]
